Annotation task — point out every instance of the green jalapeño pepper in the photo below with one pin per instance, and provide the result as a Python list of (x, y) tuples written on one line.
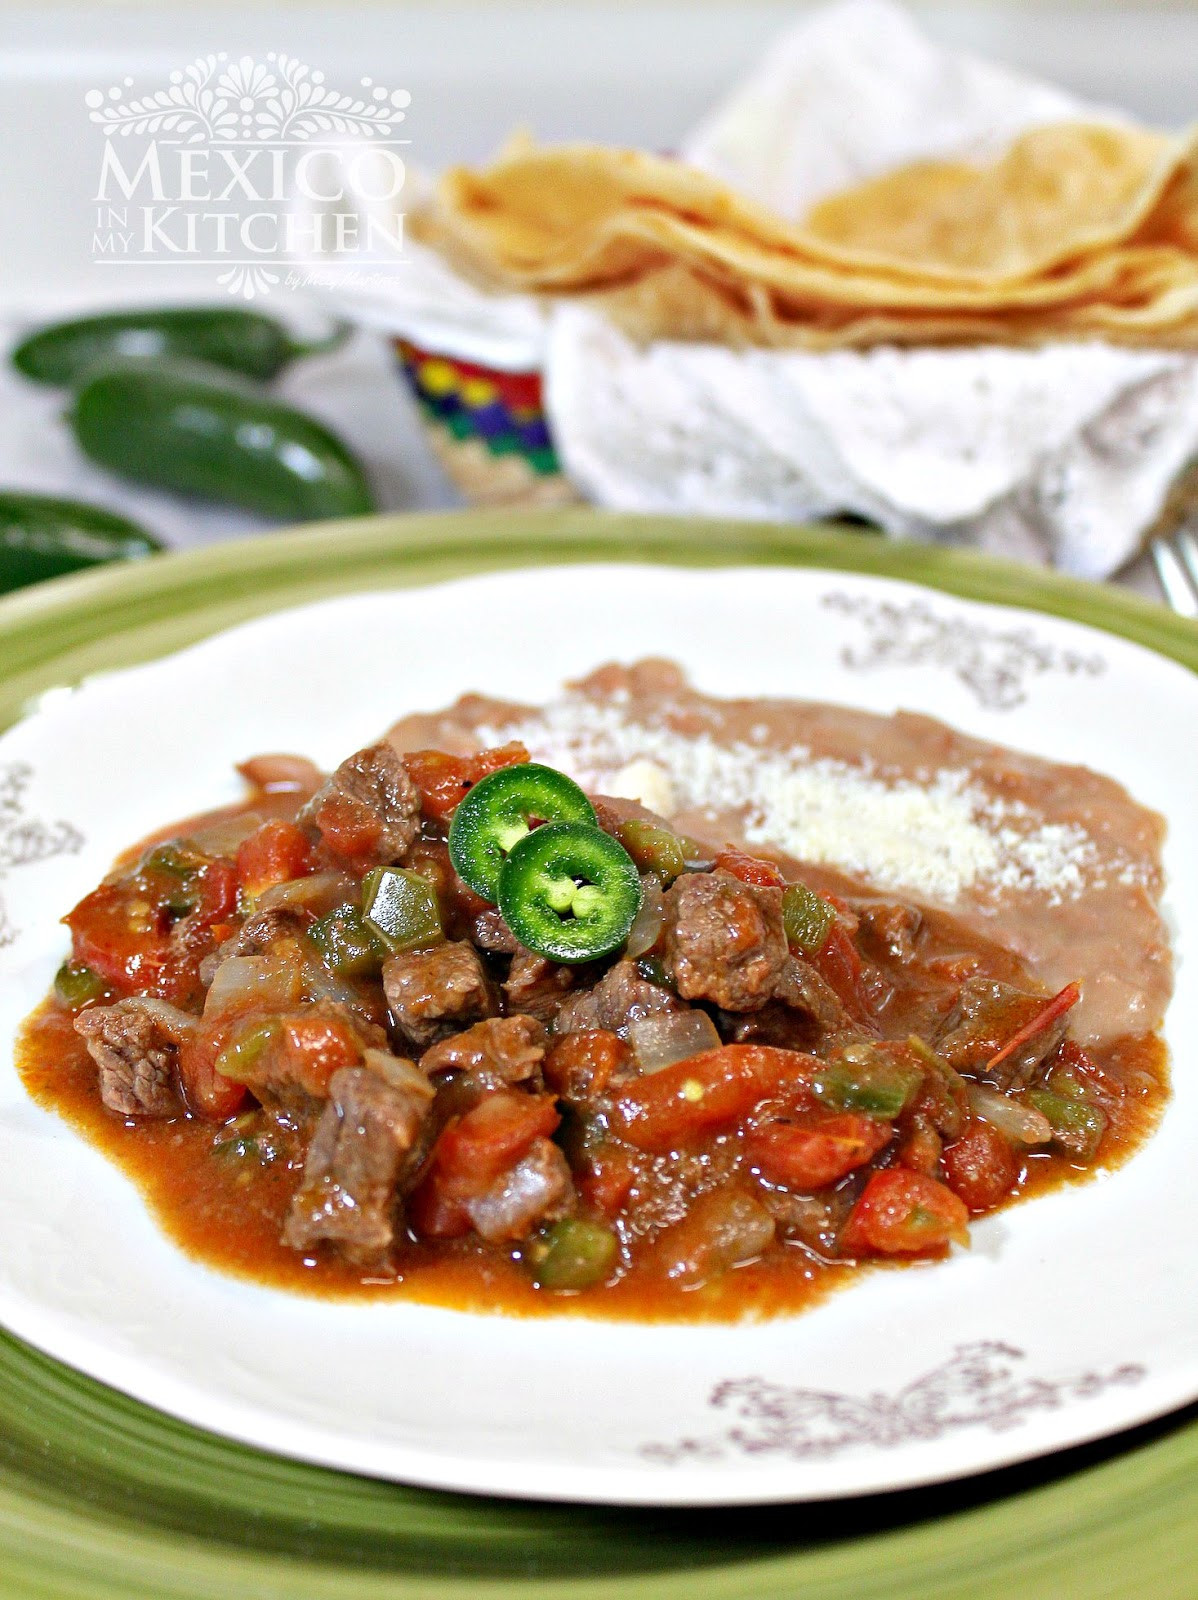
[(42, 537), (244, 341), (569, 891), (194, 429), (500, 810)]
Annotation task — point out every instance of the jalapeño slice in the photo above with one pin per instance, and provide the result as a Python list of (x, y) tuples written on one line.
[(500, 810), (569, 891)]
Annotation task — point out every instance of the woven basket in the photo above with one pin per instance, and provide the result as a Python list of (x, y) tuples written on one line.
[(488, 429)]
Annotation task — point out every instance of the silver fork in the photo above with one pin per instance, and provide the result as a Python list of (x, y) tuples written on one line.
[(1175, 557)]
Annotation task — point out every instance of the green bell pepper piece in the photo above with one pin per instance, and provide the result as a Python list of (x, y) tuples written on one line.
[(654, 848), (572, 1254), (77, 986), (401, 908), (865, 1080), (348, 945), (807, 918), (1077, 1126)]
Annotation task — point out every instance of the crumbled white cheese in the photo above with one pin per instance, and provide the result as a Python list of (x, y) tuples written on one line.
[(933, 838), (647, 782)]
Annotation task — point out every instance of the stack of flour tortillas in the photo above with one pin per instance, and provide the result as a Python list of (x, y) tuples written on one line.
[(885, 279)]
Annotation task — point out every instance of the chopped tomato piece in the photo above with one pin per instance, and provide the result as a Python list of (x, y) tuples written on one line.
[(122, 935), (749, 869), (444, 780), (583, 1064), (315, 1047), (608, 1179), (146, 932), (472, 1152), (710, 1091), (433, 1213), (217, 894), (209, 1093), (349, 828), (491, 1138), (904, 1213), (275, 853), (981, 1167), (921, 1149), (816, 1152), (839, 964)]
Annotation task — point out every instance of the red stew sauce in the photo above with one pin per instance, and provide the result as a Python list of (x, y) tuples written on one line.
[(765, 1090)]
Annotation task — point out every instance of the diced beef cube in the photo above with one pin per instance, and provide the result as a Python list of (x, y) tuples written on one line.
[(499, 1051), (433, 993), (775, 1024), (987, 1014), (802, 988), (260, 930), (369, 810), (537, 1189), (890, 930), (620, 997), (806, 1014), (537, 986), (724, 940), (582, 1066), (490, 932), (256, 935), (370, 1130), (815, 1220), (135, 1045)]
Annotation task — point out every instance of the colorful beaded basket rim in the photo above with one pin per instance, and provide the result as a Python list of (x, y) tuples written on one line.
[(505, 411)]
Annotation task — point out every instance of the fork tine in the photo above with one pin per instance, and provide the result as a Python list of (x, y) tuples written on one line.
[(1180, 589), (1186, 546)]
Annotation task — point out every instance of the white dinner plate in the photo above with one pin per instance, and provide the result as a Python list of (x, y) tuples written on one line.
[(1073, 1315)]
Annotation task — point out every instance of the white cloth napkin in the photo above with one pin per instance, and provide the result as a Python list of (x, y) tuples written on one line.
[(1059, 455), (1062, 454)]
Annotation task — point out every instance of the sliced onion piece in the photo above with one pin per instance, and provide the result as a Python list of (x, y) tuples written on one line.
[(222, 837), (660, 1040), (321, 984), (721, 1229), (271, 982), (282, 774), (177, 1025), (650, 919), (317, 893), (1018, 1122)]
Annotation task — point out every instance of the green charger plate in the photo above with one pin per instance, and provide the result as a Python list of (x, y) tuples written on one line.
[(103, 1498)]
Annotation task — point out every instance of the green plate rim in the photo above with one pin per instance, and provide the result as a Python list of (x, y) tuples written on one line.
[(101, 1497)]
